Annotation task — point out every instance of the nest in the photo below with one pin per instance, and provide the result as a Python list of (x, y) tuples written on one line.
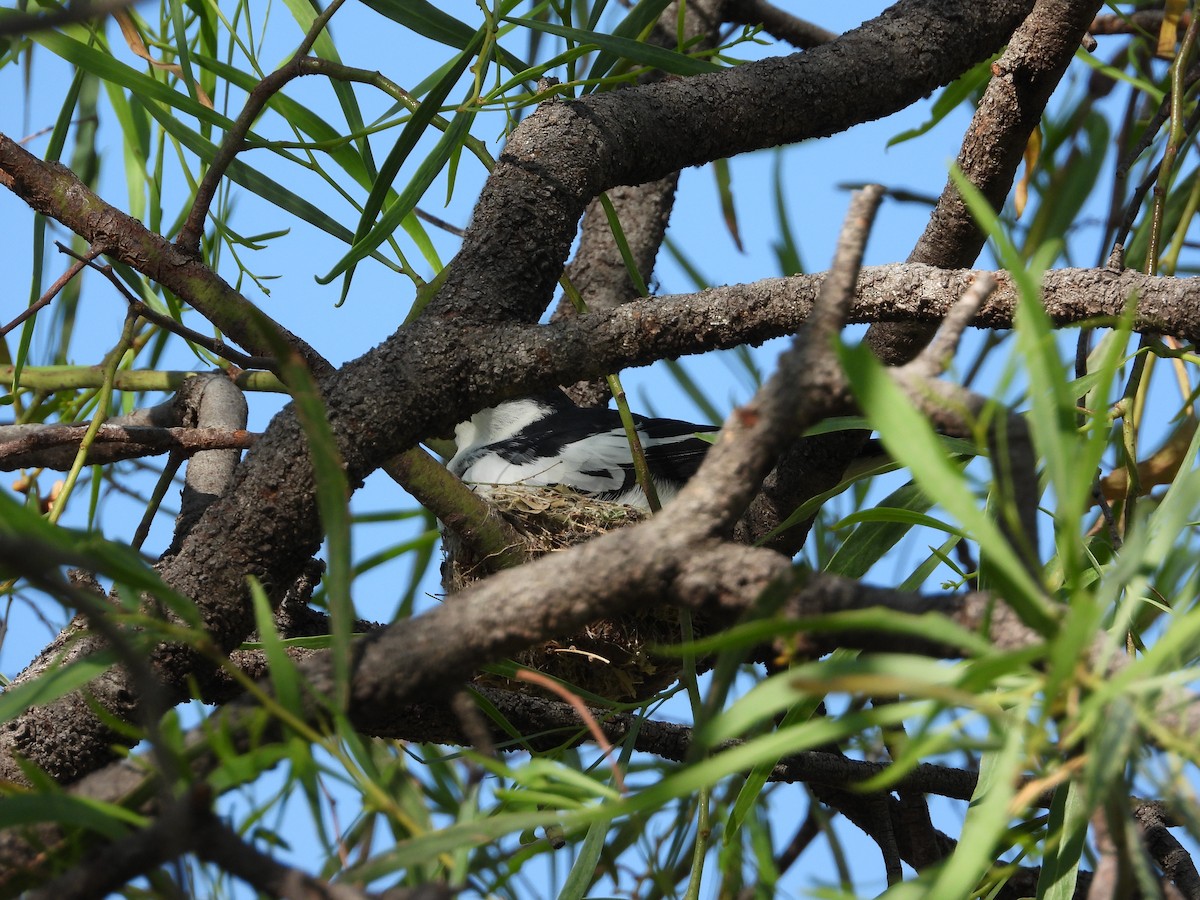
[(612, 658)]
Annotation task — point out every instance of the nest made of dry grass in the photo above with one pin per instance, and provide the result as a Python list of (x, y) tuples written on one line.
[(610, 657)]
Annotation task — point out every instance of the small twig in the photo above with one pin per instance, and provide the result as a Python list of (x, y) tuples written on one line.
[(52, 292), (212, 345), (641, 467), (934, 358), (439, 223), (1176, 135), (156, 497), (585, 714), (1152, 175), (638, 453), (112, 362), (1147, 20)]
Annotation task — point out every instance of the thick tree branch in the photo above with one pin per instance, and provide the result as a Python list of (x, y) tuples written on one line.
[(559, 159), (567, 152), (634, 334)]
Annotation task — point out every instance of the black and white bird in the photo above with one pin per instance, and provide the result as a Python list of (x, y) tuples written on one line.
[(547, 440)]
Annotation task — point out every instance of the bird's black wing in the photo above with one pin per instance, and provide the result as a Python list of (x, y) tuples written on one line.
[(673, 451), (587, 449)]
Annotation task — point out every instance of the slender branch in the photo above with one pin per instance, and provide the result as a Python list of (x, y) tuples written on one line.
[(68, 378), (25, 446), (56, 192), (189, 236), (491, 540), (1147, 21), (213, 345)]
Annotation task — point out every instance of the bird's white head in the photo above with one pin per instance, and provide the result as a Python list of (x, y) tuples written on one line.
[(498, 423)]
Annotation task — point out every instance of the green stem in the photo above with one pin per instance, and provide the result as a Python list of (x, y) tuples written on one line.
[(640, 467), (700, 848), (109, 368), (66, 378)]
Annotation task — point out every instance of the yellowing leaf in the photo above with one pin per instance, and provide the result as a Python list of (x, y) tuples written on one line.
[(1033, 149), (134, 39), (1168, 34)]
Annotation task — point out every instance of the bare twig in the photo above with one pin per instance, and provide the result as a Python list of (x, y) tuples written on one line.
[(937, 355), (1147, 21), (213, 345), (52, 291), (807, 385)]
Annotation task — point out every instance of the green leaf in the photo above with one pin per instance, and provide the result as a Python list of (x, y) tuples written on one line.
[(412, 133), (728, 207), (690, 387), (106, 819), (987, 818), (152, 93), (618, 233), (284, 676), (428, 21), (787, 250), (644, 14), (1070, 468), (881, 529), (1155, 94), (333, 496), (430, 166), (624, 48), (756, 780), (84, 550), (912, 442), (55, 682), (683, 783), (781, 691), (952, 96)]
